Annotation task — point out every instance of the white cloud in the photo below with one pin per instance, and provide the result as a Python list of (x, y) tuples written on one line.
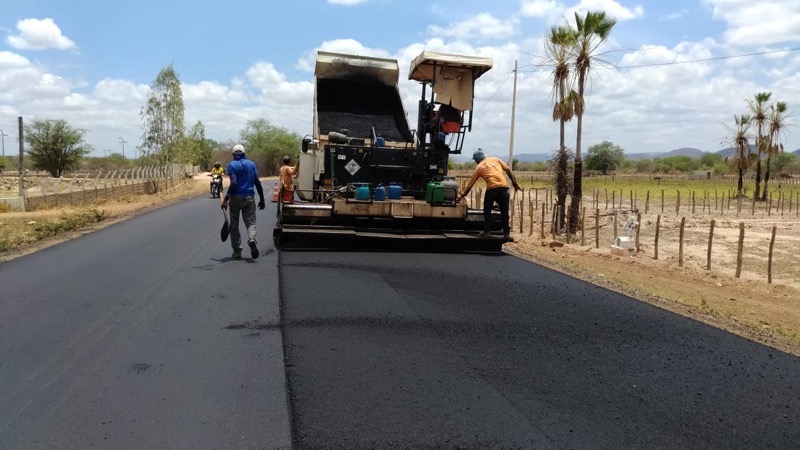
[(553, 11), (755, 24), (483, 25), (36, 34), (611, 7)]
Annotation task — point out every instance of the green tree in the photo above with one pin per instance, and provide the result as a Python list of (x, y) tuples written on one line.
[(776, 126), (710, 160), (605, 157), (758, 110), (786, 163), (267, 144), (163, 119), (742, 158), (55, 146), (592, 31), (557, 44)]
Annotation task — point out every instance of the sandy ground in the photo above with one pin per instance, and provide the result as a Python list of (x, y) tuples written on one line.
[(748, 306)]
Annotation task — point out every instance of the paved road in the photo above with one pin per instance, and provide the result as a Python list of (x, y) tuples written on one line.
[(146, 335), (476, 351), (143, 335)]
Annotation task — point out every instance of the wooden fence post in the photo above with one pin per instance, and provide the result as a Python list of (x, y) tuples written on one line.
[(606, 199), (739, 250), (710, 243), (662, 200), (521, 213), (542, 233), (769, 264), (583, 225), (753, 207), (647, 202), (680, 242), (530, 211), (678, 203), (597, 228), (693, 202), (658, 228), (638, 228)]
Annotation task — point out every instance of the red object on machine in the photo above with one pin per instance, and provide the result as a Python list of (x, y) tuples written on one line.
[(275, 193)]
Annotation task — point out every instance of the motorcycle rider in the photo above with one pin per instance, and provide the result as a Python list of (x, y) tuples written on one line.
[(243, 178), (216, 170)]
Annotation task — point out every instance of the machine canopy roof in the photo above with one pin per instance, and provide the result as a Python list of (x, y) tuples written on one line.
[(452, 76), (428, 65)]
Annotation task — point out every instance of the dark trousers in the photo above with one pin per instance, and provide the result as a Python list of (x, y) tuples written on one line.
[(499, 196)]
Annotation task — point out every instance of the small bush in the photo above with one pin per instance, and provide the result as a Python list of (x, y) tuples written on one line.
[(68, 222)]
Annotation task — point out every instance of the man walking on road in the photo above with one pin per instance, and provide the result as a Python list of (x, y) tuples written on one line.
[(243, 178), (493, 171)]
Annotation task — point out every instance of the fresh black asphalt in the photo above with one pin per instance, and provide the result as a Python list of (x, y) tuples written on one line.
[(474, 351)]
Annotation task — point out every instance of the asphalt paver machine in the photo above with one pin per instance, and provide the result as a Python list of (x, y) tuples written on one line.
[(366, 178)]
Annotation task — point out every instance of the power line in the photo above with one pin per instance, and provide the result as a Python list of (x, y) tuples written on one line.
[(495, 92), (717, 58)]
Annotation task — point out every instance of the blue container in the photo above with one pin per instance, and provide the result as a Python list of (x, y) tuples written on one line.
[(379, 142), (395, 191), (380, 193), (362, 192)]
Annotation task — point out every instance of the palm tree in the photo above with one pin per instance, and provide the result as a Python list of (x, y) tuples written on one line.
[(758, 109), (742, 158), (776, 124), (591, 31), (557, 44)]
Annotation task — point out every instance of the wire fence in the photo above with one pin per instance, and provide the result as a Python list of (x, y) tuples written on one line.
[(741, 237), (84, 188)]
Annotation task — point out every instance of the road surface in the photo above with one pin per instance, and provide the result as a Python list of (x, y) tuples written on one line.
[(147, 335)]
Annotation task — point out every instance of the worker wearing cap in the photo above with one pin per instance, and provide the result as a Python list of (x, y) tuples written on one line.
[(493, 171), (243, 177), (286, 176)]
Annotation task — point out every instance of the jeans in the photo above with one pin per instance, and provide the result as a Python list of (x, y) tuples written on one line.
[(247, 206), (500, 196)]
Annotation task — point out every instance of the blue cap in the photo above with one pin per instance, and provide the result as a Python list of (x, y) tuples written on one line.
[(478, 156)]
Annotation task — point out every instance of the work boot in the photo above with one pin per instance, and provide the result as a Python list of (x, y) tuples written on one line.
[(253, 248), (507, 237), (237, 253)]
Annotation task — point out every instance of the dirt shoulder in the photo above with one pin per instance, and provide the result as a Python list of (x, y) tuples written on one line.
[(754, 309)]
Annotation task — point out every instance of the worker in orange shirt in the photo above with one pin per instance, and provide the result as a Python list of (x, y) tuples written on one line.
[(493, 171), (286, 176)]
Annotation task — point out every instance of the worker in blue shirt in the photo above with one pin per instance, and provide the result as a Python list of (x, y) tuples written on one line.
[(240, 196)]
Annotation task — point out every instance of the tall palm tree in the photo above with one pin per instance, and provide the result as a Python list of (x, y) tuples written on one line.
[(776, 125), (758, 109), (591, 31), (742, 158), (557, 45)]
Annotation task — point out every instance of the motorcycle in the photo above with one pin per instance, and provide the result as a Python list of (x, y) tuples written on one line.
[(216, 185)]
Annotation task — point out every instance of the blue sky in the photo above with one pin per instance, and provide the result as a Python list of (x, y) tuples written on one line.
[(91, 62)]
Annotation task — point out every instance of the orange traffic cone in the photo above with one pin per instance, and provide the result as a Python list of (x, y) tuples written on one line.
[(275, 193)]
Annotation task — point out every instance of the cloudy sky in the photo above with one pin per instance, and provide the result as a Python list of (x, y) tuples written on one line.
[(677, 70)]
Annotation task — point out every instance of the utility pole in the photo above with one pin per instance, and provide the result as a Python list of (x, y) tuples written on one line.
[(107, 151), (513, 114), (3, 138), (123, 142), (21, 150)]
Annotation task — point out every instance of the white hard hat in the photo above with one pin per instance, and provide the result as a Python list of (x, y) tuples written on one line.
[(238, 148)]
